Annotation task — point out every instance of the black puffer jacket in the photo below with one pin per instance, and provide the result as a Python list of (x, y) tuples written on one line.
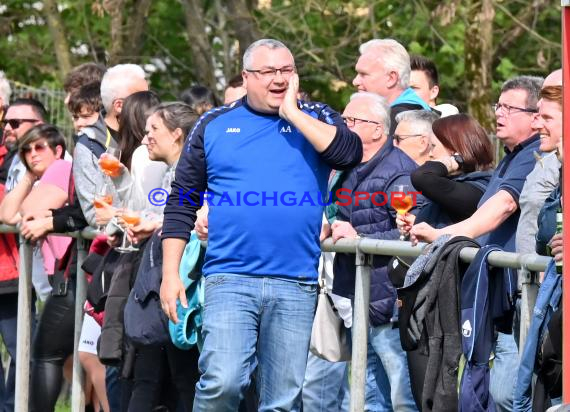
[(379, 174)]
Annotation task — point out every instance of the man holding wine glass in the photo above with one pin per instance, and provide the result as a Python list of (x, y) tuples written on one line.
[(118, 83), (384, 169)]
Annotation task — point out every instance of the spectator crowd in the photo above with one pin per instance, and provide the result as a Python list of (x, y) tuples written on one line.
[(172, 325)]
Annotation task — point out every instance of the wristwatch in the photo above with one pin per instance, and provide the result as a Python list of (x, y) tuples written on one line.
[(458, 159)]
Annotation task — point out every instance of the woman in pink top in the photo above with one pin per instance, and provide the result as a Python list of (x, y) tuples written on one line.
[(45, 186)]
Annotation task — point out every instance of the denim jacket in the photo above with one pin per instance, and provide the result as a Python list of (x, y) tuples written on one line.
[(547, 302)]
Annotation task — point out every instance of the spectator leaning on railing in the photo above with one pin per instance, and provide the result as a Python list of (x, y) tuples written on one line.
[(383, 167), (496, 219), (41, 151), (20, 117)]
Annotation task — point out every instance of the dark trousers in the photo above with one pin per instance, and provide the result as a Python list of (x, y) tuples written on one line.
[(53, 344), (163, 376), (8, 330)]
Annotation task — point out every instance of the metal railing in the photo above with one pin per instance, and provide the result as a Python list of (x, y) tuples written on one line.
[(363, 248), (23, 341)]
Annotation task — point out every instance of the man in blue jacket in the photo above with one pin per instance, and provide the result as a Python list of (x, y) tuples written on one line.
[(383, 166), (264, 160), (384, 68)]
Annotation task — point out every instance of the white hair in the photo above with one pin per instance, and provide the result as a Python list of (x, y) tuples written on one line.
[(269, 43), (117, 81), (5, 89), (419, 120), (378, 106), (393, 55)]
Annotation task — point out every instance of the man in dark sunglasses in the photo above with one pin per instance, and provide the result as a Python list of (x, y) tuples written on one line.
[(21, 116)]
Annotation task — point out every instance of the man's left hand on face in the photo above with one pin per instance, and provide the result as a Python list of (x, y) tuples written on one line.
[(343, 230), (289, 104)]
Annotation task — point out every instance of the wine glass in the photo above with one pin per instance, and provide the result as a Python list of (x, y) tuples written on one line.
[(130, 218), (109, 162), (401, 201), (103, 193)]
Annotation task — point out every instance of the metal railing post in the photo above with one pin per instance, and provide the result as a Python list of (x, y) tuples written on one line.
[(24, 326), (78, 381), (360, 331), (529, 292)]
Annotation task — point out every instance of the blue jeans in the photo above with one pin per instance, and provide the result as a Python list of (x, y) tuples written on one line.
[(504, 372), (326, 386), (113, 387), (547, 301), (254, 322), (388, 368)]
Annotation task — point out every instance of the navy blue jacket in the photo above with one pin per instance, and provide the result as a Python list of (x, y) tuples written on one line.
[(267, 182), (547, 221), (388, 167)]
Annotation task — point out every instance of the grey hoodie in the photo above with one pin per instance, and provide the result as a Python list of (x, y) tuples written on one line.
[(86, 171)]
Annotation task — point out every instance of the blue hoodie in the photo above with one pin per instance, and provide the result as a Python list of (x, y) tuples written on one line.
[(407, 100)]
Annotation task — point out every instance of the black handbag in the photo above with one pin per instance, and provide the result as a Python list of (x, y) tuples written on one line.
[(102, 269)]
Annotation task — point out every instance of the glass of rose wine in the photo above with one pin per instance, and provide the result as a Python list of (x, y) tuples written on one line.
[(401, 201), (103, 194), (109, 162), (131, 218)]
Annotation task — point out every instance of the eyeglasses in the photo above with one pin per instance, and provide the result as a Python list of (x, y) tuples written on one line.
[(38, 147), (508, 109), (271, 72), (16, 123), (401, 137), (351, 121)]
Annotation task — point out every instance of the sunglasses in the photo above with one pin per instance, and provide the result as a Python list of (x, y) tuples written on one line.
[(38, 147), (16, 123)]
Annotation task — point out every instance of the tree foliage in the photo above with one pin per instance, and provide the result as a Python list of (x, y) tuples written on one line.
[(476, 44)]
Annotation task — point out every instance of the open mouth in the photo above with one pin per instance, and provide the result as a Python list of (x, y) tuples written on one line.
[(278, 92)]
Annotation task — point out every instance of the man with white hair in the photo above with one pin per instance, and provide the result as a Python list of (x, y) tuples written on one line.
[(414, 135), (383, 167), (384, 68), (118, 83)]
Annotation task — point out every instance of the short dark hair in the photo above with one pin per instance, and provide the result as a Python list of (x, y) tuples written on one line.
[(532, 86), (83, 74), (463, 134), (46, 131), (86, 97), (427, 66), (236, 81), (200, 98), (37, 107)]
